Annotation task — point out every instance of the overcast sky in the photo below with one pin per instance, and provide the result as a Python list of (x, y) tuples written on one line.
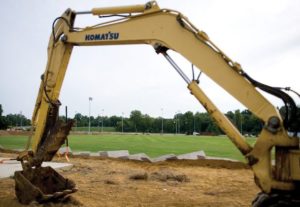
[(262, 35)]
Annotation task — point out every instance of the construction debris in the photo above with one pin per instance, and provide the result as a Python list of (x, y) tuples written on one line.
[(165, 157), (192, 156), (82, 153), (140, 157), (115, 154), (124, 154)]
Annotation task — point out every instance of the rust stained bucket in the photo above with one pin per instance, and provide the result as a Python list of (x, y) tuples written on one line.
[(42, 184)]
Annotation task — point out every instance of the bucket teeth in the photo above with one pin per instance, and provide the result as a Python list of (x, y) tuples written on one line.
[(42, 184)]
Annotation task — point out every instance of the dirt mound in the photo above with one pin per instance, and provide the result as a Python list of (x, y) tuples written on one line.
[(162, 176), (4, 133), (211, 163), (2, 150), (14, 133)]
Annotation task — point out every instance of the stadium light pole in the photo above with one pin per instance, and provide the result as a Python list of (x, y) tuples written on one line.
[(90, 100)]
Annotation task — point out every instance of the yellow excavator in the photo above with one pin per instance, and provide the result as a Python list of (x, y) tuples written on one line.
[(164, 30)]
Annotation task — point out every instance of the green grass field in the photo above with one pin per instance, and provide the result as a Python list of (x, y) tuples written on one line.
[(152, 145), (94, 129)]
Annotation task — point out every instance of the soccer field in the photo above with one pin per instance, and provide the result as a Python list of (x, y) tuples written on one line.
[(152, 145)]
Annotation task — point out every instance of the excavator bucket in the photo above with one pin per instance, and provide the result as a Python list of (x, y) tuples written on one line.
[(42, 184)]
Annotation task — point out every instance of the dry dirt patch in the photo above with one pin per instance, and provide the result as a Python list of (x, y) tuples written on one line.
[(110, 182)]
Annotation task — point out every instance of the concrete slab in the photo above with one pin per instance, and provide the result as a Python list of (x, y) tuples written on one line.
[(164, 158), (124, 157), (115, 154), (19, 150), (220, 158), (94, 154), (82, 153), (103, 154), (140, 157), (192, 156), (99, 153), (8, 167)]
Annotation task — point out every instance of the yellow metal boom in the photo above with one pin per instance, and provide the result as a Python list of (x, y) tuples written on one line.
[(165, 29)]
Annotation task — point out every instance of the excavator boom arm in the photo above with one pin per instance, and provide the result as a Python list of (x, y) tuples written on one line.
[(164, 30)]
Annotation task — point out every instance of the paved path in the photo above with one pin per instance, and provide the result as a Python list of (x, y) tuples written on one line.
[(8, 167)]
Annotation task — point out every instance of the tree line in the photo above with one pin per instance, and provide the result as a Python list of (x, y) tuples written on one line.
[(13, 120), (183, 123)]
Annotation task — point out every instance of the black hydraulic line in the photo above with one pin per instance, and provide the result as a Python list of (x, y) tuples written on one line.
[(53, 25), (198, 77), (289, 89), (290, 116)]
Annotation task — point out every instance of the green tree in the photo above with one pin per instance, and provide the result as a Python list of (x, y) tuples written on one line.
[(15, 120), (146, 125), (203, 122), (136, 118), (114, 120), (188, 122), (3, 120), (238, 120)]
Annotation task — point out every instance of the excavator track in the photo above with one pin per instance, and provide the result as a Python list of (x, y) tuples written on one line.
[(279, 199)]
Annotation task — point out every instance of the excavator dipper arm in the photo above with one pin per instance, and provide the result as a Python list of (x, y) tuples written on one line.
[(165, 30)]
